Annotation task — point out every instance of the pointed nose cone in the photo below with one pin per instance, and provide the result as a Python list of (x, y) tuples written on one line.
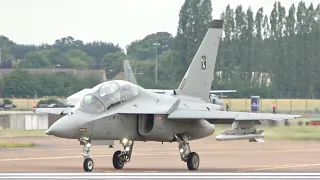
[(64, 127), (48, 132)]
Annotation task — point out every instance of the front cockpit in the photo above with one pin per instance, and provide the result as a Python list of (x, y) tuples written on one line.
[(106, 95)]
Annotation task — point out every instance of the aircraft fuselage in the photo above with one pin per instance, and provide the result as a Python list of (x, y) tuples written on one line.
[(137, 127)]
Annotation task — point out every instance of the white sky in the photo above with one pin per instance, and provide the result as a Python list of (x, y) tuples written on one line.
[(117, 21)]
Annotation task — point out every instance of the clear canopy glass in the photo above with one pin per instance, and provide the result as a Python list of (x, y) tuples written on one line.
[(91, 104), (108, 94)]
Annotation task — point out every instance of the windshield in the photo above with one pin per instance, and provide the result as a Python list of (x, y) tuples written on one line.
[(91, 104), (108, 94)]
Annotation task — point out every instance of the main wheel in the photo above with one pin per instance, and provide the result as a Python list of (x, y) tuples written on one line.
[(116, 160), (193, 161), (88, 165)]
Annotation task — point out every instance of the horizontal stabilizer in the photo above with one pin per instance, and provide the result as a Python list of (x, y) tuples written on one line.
[(58, 111), (166, 91), (220, 115), (258, 136), (222, 91)]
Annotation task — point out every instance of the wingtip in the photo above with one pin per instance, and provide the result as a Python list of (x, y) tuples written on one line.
[(217, 23), (302, 116)]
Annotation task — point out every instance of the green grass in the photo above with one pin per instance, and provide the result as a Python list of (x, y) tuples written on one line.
[(17, 133), (6, 144), (22, 133), (298, 133)]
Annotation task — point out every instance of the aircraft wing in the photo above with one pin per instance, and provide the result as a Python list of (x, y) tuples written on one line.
[(161, 91), (58, 111), (222, 91), (165, 91), (219, 115), (76, 97)]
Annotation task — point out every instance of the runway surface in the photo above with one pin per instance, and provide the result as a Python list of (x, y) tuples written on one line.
[(53, 154)]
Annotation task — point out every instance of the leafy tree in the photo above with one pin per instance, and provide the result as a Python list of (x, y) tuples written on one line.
[(7, 101), (80, 59), (6, 56), (36, 59), (98, 49), (48, 101), (112, 62), (1, 86), (22, 83), (58, 57), (145, 49)]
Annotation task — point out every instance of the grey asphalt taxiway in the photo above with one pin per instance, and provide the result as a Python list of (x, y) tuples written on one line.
[(55, 155)]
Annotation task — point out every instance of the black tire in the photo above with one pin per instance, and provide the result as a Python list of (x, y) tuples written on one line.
[(193, 161), (117, 162), (88, 165)]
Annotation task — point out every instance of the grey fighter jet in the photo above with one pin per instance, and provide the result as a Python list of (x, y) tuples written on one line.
[(126, 112)]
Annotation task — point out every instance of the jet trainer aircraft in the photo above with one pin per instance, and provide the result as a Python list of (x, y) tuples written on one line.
[(121, 110)]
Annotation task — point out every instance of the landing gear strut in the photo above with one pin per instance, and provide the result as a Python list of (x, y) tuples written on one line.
[(88, 162), (191, 158), (122, 157)]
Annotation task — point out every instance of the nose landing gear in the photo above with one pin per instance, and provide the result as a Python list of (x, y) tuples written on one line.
[(88, 164)]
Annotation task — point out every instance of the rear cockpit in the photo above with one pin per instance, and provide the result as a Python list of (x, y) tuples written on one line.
[(108, 94)]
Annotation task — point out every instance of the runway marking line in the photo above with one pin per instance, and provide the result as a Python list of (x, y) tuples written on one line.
[(132, 171), (258, 168), (79, 156), (264, 167), (218, 152), (281, 167), (155, 154)]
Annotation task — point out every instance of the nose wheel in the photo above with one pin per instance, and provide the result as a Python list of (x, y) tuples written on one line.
[(88, 164)]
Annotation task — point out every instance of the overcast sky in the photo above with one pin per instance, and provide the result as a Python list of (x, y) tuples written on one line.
[(117, 21)]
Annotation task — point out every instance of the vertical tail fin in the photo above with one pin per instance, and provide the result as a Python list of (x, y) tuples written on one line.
[(128, 73), (198, 79)]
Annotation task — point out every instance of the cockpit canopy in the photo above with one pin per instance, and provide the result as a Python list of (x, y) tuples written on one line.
[(108, 94)]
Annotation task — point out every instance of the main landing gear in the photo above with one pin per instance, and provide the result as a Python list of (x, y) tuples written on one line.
[(88, 162), (122, 157), (192, 158)]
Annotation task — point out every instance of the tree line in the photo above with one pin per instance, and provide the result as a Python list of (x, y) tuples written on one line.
[(25, 84), (260, 53)]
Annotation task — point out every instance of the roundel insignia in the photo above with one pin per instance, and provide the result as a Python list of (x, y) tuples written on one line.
[(203, 62)]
